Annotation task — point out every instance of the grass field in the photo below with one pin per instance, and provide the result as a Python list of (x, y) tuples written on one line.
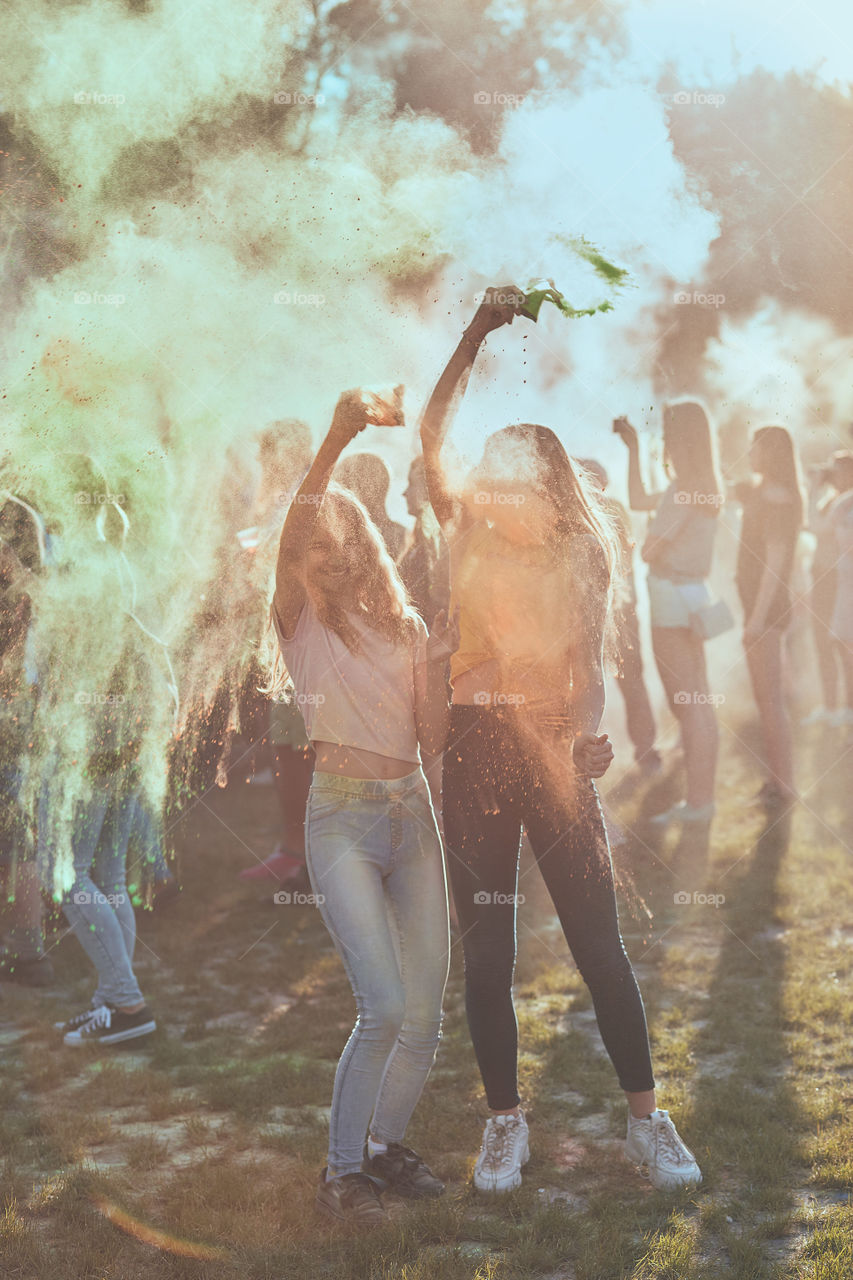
[(195, 1154)]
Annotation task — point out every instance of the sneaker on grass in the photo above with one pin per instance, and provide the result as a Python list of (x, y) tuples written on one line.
[(108, 1025), (402, 1170), (654, 1146), (79, 1018), (505, 1149), (354, 1197)]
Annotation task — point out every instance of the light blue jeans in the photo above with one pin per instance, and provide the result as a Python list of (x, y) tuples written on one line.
[(375, 863), (98, 906)]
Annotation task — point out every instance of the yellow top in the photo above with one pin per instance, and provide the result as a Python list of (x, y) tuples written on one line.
[(515, 606)]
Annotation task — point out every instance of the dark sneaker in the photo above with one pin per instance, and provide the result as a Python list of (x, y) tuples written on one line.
[(73, 1024), (110, 1026), (402, 1170), (35, 972), (351, 1198)]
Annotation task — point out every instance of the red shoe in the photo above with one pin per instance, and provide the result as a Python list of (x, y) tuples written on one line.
[(278, 866)]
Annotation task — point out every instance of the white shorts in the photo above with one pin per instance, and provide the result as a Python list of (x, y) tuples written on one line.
[(671, 603)]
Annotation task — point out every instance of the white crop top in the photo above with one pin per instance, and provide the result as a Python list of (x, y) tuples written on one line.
[(364, 700)]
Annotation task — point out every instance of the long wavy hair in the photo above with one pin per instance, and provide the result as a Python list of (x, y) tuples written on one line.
[(779, 465), (537, 452), (689, 448), (377, 596)]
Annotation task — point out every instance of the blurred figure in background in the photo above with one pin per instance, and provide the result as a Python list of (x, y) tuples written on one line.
[(22, 958), (425, 563), (773, 510), (841, 523), (368, 477), (826, 484), (629, 659), (679, 550)]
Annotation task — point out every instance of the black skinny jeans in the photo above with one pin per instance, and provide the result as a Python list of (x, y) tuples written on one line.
[(493, 784)]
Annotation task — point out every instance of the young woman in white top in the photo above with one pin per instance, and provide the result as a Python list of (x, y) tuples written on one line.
[(679, 549), (370, 683)]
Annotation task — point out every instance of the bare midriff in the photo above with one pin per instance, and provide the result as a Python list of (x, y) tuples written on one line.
[(351, 762)]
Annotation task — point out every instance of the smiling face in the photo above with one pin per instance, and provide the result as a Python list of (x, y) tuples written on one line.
[(328, 570)]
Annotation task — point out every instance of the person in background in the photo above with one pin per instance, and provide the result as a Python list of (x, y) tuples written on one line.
[(532, 555), (679, 549), (425, 564), (22, 958), (640, 720), (841, 623), (826, 483), (370, 684), (772, 518), (284, 453), (368, 477)]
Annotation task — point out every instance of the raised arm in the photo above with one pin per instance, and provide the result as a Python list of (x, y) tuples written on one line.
[(449, 390), (351, 416), (638, 498)]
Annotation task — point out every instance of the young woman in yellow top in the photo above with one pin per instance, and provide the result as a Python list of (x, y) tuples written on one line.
[(531, 553)]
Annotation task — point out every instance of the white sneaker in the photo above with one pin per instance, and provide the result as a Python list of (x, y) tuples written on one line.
[(654, 1146), (683, 812), (820, 715), (505, 1149)]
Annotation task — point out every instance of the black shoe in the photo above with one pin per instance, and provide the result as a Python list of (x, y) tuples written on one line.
[(402, 1170), (108, 1025), (351, 1198), (72, 1024), (37, 972)]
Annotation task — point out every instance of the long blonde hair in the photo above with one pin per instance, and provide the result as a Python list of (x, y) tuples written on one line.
[(377, 596)]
